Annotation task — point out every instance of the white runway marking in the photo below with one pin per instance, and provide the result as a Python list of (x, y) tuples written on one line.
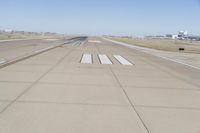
[(94, 41), (80, 43), (51, 40), (86, 59), (104, 59), (76, 43), (12, 40), (122, 60), (2, 61)]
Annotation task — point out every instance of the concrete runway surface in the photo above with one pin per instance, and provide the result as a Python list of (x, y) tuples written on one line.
[(97, 86), (12, 49)]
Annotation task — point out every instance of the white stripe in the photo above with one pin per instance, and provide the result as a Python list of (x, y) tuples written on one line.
[(177, 61), (74, 43), (50, 39), (122, 60), (144, 50), (86, 59), (12, 40), (80, 43), (173, 60), (104, 59), (94, 41), (2, 61), (77, 43)]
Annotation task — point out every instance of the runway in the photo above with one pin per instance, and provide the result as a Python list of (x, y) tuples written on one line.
[(16, 50), (94, 85)]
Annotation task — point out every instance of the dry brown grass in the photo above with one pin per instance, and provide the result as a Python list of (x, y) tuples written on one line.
[(164, 44)]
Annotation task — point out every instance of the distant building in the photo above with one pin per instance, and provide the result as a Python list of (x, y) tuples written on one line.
[(22, 32), (174, 36), (171, 36), (194, 38), (49, 33), (168, 35), (182, 35), (155, 37), (9, 30)]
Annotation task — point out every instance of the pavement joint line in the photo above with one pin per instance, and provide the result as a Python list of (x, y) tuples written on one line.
[(161, 88), (75, 84), (129, 100), (142, 50), (145, 77), (15, 82), (72, 103), (168, 107), (34, 83), (37, 81), (141, 76)]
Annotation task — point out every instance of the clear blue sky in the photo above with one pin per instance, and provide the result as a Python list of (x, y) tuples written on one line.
[(117, 17)]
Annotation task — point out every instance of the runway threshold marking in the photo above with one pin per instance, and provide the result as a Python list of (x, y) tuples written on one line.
[(80, 43), (122, 60), (86, 59), (74, 43), (77, 43), (104, 59)]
